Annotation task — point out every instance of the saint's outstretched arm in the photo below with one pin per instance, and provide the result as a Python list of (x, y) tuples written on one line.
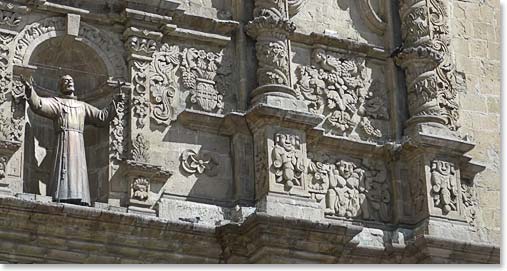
[(99, 117), (46, 107)]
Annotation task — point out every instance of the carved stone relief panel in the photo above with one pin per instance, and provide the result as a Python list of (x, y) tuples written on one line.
[(341, 88), (469, 202), (178, 77), (350, 188), (444, 186), (280, 160)]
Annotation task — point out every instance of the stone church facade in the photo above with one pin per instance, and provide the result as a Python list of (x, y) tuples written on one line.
[(257, 131)]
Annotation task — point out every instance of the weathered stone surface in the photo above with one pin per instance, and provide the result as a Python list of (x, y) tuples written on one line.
[(262, 131)]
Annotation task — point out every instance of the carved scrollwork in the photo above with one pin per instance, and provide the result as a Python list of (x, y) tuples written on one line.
[(288, 164), (164, 83), (9, 18), (198, 163), (335, 87), (444, 186), (349, 190)]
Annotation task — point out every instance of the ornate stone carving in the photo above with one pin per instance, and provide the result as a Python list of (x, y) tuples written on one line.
[(444, 186), (140, 149), (11, 128), (334, 86), (142, 45), (9, 18), (199, 69), (349, 190), (3, 166), (194, 163), (118, 129), (164, 83), (5, 74), (287, 156), (470, 202), (271, 27), (140, 188), (427, 62), (140, 103)]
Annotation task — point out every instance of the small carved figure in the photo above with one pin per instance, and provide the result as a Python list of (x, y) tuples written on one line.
[(69, 177), (444, 187), (287, 160)]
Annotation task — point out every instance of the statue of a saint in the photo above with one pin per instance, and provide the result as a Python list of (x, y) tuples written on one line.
[(69, 178)]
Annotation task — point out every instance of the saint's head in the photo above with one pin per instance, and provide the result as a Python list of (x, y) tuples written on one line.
[(66, 85)]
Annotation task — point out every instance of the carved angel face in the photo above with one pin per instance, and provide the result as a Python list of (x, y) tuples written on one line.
[(346, 169), (66, 85)]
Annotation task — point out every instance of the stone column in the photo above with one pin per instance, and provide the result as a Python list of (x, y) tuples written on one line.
[(277, 119), (271, 27), (427, 63), (434, 153)]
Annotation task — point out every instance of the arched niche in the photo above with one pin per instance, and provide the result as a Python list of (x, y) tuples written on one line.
[(91, 65)]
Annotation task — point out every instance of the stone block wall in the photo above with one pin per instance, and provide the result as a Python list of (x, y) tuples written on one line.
[(476, 45)]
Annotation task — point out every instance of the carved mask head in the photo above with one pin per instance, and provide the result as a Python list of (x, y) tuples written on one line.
[(345, 169), (66, 85)]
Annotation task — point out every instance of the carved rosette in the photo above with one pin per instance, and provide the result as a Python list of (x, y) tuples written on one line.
[(427, 62), (351, 190), (336, 86), (444, 186), (193, 163), (271, 27)]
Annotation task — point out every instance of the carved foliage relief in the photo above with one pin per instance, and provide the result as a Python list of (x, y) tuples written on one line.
[(336, 87), (470, 202), (351, 189)]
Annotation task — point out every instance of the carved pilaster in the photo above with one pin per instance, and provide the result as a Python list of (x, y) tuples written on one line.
[(427, 62), (271, 27), (141, 46)]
